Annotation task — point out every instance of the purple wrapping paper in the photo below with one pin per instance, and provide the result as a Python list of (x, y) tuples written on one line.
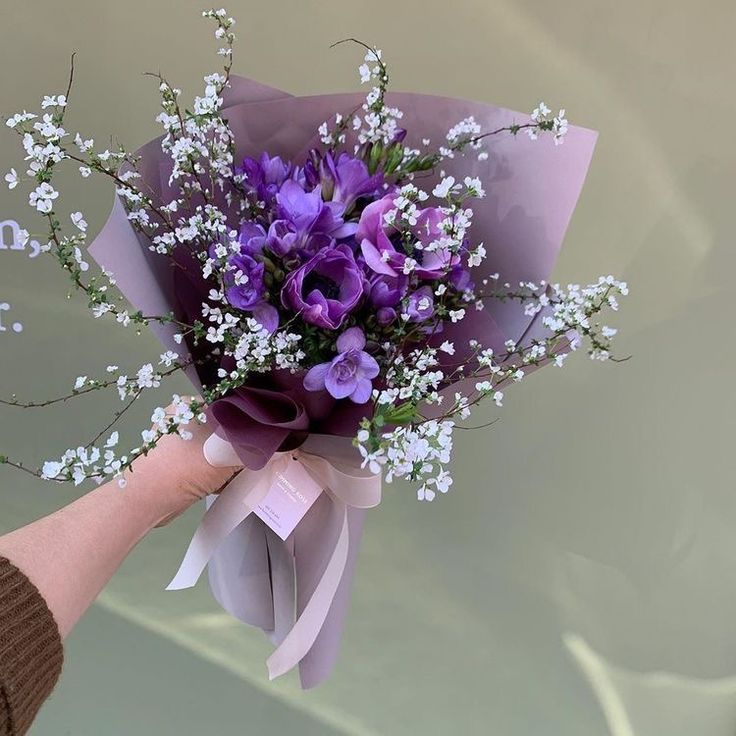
[(532, 188)]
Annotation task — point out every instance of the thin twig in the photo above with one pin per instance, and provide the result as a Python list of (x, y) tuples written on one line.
[(118, 415), (19, 466), (86, 390), (71, 77)]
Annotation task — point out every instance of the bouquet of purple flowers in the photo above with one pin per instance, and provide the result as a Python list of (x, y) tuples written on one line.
[(340, 291)]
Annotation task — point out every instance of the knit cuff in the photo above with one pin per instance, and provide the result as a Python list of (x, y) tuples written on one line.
[(31, 653)]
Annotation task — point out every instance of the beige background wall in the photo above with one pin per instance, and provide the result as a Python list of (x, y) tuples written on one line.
[(581, 577)]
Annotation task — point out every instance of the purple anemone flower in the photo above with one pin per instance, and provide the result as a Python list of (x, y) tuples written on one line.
[(326, 288), (349, 374)]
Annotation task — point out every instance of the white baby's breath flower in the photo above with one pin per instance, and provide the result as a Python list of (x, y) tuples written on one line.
[(51, 469), (443, 189), (98, 310), (42, 197), (12, 179), (78, 220), (53, 101), (147, 377), (474, 186), (158, 416), (561, 127), (19, 119), (168, 358), (447, 347), (540, 112)]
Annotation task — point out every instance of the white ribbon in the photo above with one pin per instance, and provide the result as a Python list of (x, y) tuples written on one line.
[(346, 485)]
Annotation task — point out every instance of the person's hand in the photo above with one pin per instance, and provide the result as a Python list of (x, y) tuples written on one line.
[(175, 474), (71, 554)]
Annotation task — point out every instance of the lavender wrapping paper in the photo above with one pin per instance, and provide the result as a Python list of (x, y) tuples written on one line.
[(532, 188)]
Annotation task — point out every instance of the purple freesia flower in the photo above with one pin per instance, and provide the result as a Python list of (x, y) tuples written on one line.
[(460, 279), (382, 257), (349, 374), (386, 291), (433, 264), (326, 288), (245, 288), (265, 175), (420, 305), (283, 238), (305, 221), (375, 244), (244, 285), (346, 179), (251, 237)]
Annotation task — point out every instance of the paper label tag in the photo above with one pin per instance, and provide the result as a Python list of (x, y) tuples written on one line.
[(289, 498)]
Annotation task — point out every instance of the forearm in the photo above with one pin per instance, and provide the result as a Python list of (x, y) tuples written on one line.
[(71, 554)]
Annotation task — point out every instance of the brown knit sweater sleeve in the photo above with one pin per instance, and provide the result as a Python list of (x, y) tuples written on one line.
[(30, 651)]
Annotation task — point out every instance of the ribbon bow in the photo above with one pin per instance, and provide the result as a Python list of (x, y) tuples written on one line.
[(346, 485)]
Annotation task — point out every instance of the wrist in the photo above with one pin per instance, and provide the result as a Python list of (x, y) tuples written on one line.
[(154, 500)]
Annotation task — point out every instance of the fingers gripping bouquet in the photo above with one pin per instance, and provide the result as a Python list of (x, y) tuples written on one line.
[(343, 279)]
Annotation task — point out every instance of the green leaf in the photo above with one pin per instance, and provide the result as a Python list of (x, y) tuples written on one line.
[(402, 414)]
